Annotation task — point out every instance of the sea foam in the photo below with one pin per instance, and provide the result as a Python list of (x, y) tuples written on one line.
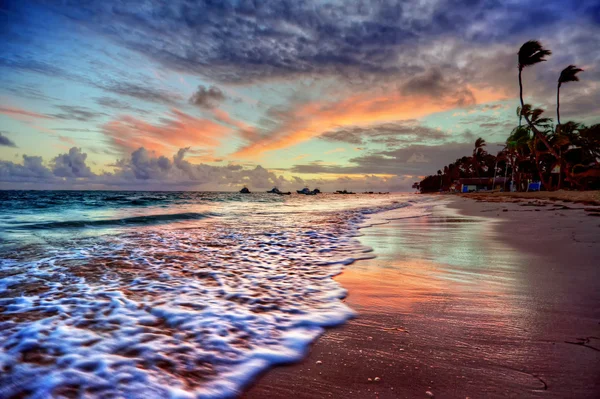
[(182, 312)]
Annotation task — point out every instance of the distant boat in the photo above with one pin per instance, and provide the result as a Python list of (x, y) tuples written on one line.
[(306, 191), (275, 190), (343, 192), (245, 190)]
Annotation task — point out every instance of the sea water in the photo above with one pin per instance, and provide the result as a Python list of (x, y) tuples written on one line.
[(164, 294)]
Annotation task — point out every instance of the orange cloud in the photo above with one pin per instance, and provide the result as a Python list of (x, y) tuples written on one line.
[(177, 130), (313, 119), (245, 130), (22, 114)]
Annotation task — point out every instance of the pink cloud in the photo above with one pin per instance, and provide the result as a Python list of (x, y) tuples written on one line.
[(176, 130)]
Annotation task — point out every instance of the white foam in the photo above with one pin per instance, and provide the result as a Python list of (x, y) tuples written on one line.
[(177, 313)]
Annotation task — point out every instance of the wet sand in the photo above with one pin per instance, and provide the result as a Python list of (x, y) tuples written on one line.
[(586, 197), (478, 299)]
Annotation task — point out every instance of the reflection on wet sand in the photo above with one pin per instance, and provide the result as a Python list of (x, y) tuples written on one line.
[(448, 306), (425, 259)]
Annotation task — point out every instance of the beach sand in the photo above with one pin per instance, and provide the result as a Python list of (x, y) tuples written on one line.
[(585, 197), (479, 299)]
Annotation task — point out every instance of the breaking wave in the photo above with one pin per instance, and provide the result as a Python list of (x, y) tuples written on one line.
[(187, 313), (134, 220)]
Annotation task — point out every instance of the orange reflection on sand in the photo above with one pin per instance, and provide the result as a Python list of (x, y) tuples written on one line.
[(442, 266), (396, 287)]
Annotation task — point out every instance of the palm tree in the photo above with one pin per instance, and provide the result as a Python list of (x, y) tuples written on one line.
[(564, 139), (478, 153), (569, 74), (479, 144), (531, 53)]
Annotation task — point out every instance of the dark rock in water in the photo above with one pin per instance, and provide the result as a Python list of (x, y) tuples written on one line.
[(245, 190)]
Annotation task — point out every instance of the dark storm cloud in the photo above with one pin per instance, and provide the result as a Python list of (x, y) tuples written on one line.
[(438, 85), (425, 47), (245, 40), (207, 97), (391, 134), (5, 141)]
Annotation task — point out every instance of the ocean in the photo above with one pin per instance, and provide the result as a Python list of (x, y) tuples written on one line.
[(171, 294)]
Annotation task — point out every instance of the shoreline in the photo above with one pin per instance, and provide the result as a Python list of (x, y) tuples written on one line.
[(500, 314)]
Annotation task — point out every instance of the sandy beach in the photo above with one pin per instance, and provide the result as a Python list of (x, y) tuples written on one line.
[(478, 299)]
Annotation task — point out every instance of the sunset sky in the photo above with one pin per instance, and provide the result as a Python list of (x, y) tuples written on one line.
[(215, 95)]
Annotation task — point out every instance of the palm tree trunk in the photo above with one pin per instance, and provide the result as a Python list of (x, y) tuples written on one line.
[(558, 105), (560, 165), (545, 184), (537, 132)]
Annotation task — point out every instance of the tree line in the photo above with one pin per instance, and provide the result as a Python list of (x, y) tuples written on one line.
[(565, 155)]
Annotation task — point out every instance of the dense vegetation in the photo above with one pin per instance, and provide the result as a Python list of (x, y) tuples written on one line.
[(534, 149)]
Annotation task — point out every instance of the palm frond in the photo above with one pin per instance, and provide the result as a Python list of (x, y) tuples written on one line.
[(535, 114), (480, 143), (526, 110), (531, 53), (569, 74)]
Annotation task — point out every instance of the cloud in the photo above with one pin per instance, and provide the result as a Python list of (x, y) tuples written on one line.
[(146, 170), (19, 113), (175, 130), (121, 106), (76, 113), (245, 41), (25, 64), (207, 97), (391, 134), (299, 122), (141, 92), (31, 171), (412, 160), (71, 164), (5, 141), (439, 86), (24, 90)]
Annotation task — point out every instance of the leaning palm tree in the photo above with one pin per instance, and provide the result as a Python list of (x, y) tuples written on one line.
[(478, 153), (479, 144), (569, 74), (532, 53)]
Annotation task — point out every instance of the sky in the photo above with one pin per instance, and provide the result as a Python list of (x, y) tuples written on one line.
[(215, 95)]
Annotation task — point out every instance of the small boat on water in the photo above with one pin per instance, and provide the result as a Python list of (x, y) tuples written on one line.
[(245, 191), (275, 190), (343, 192), (307, 191)]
